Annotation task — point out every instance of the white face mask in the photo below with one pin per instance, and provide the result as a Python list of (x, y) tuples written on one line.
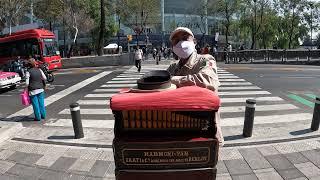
[(184, 49)]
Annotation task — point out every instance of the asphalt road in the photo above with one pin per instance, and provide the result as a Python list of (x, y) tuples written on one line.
[(10, 99), (295, 83)]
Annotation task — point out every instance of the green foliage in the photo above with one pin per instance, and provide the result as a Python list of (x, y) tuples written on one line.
[(11, 11), (48, 10), (82, 14), (268, 23), (138, 13), (227, 9)]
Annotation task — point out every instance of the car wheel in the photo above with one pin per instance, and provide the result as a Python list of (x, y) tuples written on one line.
[(50, 78)]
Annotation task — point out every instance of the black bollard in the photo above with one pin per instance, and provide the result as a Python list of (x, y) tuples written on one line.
[(316, 115), (249, 117), (76, 120)]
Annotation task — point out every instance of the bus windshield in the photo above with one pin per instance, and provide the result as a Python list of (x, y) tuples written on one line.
[(50, 48)]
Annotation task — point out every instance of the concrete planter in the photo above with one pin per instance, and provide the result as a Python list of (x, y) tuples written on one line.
[(95, 61)]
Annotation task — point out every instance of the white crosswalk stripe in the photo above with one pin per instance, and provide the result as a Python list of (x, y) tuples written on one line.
[(231, 93), (228, 77), (117, 85), (270, 119), (230, 80), (93, 102), (258, 108), (235, 83), (122, 82), (232, 90), (239, 88), (107, 90), (99, 95), (89, 111), (258, 99), (85, 123), (124, 79)]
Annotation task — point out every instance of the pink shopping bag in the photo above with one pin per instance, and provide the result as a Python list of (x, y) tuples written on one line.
[(25, 99)]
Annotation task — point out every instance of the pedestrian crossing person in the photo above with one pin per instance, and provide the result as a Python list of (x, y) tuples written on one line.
[(193, 69), (35, 82), (138, 58)]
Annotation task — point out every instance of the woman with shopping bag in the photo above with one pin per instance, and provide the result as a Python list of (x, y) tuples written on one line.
[(35, 81)]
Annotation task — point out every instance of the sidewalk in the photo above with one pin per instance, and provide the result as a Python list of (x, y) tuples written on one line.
[(51, 153)]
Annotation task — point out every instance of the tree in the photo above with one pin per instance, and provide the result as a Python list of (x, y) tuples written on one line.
[(311, 16), (49, 10), (202, 10), (138, 14), (11, 11), (226, 9), (68, 13), (293, 20), (266, 37), (255, 18), (102, 28)]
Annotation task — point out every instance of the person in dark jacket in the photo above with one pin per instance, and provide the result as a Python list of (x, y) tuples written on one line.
[(35, 81)]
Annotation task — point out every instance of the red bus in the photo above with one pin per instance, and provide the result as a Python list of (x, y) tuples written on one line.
[(37, 43)]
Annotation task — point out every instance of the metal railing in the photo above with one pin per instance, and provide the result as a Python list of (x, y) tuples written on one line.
[(269, 56)]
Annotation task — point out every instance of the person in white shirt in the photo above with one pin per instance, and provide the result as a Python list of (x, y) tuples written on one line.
[(138, 57)]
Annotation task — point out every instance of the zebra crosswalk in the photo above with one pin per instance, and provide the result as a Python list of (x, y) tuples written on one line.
[(234, 91)]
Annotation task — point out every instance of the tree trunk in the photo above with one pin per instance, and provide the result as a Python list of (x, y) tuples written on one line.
[(291, 29), (50, 25), (10, 26), (102, 28), (64, 38), (254, 28), (252, 35), (264, 40), (228, 21), (227, 32)]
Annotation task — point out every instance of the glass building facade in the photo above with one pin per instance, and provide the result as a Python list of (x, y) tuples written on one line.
[(191, 14)]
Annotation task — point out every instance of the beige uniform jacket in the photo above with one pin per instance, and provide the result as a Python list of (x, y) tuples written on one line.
[(200, 70)]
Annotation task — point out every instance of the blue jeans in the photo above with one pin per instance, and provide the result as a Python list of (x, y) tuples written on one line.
[(39, 109)]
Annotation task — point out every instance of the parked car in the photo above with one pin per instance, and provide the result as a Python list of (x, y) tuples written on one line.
[(9, 79)]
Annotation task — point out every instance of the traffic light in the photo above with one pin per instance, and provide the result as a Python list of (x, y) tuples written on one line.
[(129, 37)]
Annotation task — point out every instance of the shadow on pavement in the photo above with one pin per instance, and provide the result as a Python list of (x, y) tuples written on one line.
[(300, 132), (18, 119), (60, 137), (5, 90), (234, 137)]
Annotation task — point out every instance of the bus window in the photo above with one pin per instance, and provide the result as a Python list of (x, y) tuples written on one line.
[(23, 48), (50, 48)]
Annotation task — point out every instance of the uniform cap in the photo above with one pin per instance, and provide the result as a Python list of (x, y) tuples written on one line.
[(180, 29)]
